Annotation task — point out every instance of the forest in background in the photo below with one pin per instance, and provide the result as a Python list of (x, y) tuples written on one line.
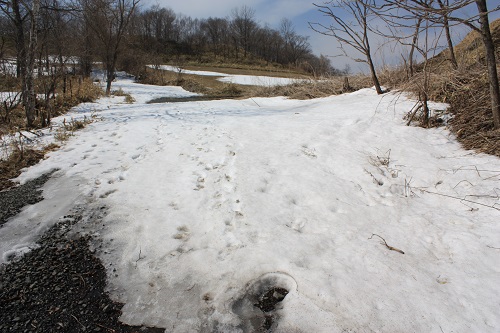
[(95, 30)]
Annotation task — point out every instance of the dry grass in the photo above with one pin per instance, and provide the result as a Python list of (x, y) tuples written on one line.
[(20, 157), (308, 89), (78, 90), (466, 89), (206, 85), (470, 51), (128, 98), (468, 94), (17, 155), (303, 88), (241, 69), (9, 83), (68, 128)]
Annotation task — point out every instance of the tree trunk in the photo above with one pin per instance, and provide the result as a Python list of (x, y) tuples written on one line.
[(109, 79), (373, 73), (29, 97), (446, 25), (453, 59), (20, 47), (490, 61), (413, 45), (368, 55)]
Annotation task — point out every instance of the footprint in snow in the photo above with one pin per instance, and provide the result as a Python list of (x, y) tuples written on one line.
[(297, 224), (183, 233), (259, 304), (107, 193), (309, 152)]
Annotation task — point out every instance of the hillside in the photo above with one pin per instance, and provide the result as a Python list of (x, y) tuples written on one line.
[(466, 89)]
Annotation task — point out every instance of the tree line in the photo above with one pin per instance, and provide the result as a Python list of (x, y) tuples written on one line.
[(56, 37), (238, 37)]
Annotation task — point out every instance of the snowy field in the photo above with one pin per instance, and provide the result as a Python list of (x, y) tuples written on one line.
[(212, 203), (248, 80)]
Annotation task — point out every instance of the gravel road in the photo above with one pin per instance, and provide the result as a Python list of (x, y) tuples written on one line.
[(12, 200), (60, 285)]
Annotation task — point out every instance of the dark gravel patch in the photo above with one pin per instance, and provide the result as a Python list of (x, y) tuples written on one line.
[(59, 287), (12, 200)]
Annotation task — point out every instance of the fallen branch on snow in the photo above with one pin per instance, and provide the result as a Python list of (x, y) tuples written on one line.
[(386, 245)]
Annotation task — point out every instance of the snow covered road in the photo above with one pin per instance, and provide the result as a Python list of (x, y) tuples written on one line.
[(211, 204)]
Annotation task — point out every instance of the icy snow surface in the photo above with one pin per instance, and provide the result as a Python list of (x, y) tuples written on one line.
[(249, 80), (210, 201)]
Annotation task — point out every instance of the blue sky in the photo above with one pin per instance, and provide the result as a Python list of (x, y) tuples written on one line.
[(300, 12)]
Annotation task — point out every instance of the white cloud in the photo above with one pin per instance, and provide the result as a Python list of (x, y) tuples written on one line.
[(273, 11)]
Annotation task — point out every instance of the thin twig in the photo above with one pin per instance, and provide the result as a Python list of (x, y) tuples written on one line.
[(465, 180), (79, 322), (27, 138), (255, 102), (107, 328), (412, 113), (461, 199), (491, 177), (386, 245), (139, 258), (83, 281)]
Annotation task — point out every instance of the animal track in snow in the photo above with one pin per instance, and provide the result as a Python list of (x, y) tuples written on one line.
[(107, 193), (309, 152), (174, 205), (200, 182), (297, 224), (183, 233)]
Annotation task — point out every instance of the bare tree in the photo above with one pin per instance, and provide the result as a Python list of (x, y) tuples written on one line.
[(19, 12), (440, 12), (108, 19), (491, 62), (296, 47), (216, 31), (444, 4), (243, 27), (350, 27)]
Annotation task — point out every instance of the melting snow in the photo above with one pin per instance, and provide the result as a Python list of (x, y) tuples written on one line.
[(213, 203), (251, 80)]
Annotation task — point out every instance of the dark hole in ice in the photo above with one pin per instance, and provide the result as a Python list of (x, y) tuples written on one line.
[(258, 306), (268, 322), (273, 296)]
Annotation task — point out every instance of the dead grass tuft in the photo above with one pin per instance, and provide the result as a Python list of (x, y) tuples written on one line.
[(68, 128), (128, 98), (466, 90), (78, 90), (309, 89), (468, 95), (20, 158)]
